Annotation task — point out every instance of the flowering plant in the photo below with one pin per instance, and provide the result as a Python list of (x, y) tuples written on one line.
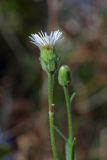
[(50, 61)]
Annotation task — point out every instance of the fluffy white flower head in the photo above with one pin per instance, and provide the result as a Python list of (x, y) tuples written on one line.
[(42, 39)]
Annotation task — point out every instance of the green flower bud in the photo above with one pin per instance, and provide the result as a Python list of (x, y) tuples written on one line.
[(64, 76)]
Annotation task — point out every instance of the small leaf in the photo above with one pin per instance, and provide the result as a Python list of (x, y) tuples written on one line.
[(60, 133), (73, 148), (70, 149), (72, 97), (67, 151)]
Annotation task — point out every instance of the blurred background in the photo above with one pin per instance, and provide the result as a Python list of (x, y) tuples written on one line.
[(23, 85)]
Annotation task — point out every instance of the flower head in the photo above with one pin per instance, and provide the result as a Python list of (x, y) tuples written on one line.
[(42, 39), (48, 58)]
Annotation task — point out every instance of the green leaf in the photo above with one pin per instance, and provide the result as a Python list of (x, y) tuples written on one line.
[(67, 151), (72, 97), (73, 149), (60, 133), (70, 150)]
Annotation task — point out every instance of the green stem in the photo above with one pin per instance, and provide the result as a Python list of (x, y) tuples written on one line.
[(51, 115), (69, 116), (50, 89)]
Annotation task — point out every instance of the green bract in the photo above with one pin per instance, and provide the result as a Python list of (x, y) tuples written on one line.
[(48, 59)]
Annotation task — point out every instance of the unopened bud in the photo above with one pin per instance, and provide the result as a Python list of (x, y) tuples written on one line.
[(64, 76)]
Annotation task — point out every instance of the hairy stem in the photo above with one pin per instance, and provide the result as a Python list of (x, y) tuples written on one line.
[(51, 115)]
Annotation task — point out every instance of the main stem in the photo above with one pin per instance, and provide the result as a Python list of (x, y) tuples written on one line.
[(67, 98), (51, 115)]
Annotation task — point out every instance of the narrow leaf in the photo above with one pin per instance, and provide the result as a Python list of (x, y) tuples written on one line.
[(60, 133), (72, 97), (67, 151), (70, 150), (73, 149)]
